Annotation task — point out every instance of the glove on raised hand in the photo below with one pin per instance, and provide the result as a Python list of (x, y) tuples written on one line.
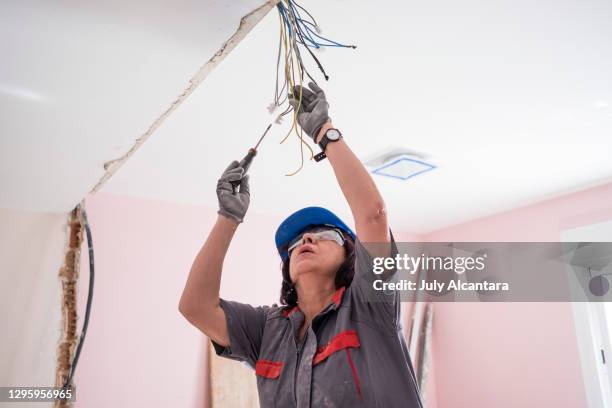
[(233, 204), (313, 111)]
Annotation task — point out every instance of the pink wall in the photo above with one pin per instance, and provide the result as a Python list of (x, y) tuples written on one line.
[(140, 352), (514, 354), (541, 222)]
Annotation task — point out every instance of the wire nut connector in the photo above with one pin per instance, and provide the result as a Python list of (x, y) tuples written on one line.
[(272, 107)]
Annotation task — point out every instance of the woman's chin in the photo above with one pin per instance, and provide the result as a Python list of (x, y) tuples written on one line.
[(306, 265)]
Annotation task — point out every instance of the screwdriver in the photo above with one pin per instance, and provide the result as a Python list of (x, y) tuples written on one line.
[(245, 163)]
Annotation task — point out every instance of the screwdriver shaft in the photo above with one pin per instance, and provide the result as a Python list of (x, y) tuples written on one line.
[(262, 136)]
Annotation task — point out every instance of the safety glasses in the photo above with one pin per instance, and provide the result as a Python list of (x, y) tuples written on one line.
[(318, 234)]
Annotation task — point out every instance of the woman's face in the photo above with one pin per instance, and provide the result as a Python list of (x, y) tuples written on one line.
[(315, 256)]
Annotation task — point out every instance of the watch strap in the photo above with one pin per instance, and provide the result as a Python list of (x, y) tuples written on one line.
[(323, 144), (320, 156)]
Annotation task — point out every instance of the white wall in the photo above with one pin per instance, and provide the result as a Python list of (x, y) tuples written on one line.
[(31, 253)]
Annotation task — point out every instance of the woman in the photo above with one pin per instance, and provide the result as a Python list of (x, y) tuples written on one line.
[(334, 341)]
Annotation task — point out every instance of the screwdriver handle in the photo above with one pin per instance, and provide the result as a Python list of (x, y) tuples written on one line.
[(245, 163)]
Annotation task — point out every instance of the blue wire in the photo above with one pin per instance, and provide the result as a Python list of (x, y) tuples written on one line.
[(308, 22), (306, 31), (284, 15), (333, 43), (309, 31), (299, 19), (304, 36), (299, 31), (307, 36)]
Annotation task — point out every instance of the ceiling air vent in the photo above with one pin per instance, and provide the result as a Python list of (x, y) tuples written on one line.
[(399, 163)]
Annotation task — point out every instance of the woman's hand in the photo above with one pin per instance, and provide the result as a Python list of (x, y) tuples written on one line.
[(233, 201), (313, 109)]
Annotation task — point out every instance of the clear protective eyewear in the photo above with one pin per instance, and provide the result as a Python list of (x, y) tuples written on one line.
[(319, 234)]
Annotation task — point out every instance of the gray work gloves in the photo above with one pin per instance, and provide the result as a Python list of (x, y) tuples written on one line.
[(312, 113), (233, 204)]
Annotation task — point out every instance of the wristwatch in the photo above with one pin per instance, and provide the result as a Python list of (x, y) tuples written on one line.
[(332, 135)]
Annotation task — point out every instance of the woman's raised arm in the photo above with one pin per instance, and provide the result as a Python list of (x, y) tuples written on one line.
[(200, 302), (361, 193)]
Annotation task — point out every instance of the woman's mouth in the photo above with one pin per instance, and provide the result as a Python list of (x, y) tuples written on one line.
[(306, 249)]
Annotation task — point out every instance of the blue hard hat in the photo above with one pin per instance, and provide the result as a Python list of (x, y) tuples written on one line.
[(302, 220)]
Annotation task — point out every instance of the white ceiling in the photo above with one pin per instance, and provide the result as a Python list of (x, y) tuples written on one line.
[(513, 99), (81, 81)]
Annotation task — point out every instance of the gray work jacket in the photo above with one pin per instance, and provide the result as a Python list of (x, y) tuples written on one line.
[(353, 354)]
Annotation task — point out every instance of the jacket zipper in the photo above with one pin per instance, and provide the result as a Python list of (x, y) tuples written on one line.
[(297, 367)]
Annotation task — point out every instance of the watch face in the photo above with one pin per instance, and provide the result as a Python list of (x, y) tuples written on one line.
[(333, 134)]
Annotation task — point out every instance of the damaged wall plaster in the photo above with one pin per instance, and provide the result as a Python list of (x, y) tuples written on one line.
[(69, 276), (246, 25)]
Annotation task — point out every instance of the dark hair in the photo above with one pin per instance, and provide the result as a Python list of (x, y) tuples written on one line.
[(344, 275)]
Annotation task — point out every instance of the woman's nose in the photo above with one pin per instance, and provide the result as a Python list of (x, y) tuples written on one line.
[(308, 238)]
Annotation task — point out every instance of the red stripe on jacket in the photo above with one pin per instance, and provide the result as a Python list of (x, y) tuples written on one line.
[(268, 369), (340, 341)]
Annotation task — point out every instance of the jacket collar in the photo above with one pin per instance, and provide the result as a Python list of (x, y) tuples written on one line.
[(334, 304)]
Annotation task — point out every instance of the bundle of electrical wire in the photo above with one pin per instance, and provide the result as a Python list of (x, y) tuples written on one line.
[(298, 30)]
